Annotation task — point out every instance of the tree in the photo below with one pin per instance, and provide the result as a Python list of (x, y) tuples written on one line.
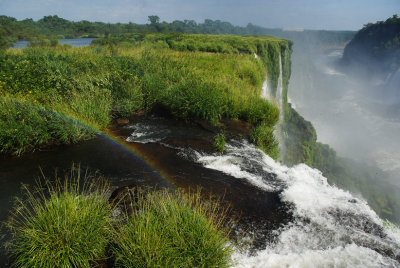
[(4, 42), (154, 19)]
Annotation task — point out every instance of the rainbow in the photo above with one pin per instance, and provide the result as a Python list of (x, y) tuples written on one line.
[(107, 135), (132, 149)]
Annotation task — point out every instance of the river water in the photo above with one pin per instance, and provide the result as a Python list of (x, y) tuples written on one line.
[(289, 217), (75, 42)]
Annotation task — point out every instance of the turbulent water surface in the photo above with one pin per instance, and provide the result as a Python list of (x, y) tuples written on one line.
[(285, 217), (329, 227)]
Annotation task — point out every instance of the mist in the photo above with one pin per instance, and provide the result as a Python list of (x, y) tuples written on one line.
[(358, 116)]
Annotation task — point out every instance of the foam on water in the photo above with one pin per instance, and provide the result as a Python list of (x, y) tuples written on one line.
[(144, 133), (332, 228)]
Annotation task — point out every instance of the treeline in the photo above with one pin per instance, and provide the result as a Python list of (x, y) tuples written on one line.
[(52, 27)]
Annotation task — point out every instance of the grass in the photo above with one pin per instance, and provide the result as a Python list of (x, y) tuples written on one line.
[(219, 143), (186, 76), (173, 230), (66, 225), (71, 224), (25, 126), (263, 137)]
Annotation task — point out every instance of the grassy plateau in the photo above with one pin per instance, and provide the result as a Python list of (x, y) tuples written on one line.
[(53, 94)]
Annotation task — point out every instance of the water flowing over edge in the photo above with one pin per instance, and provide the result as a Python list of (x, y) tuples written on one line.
[(332, 228)]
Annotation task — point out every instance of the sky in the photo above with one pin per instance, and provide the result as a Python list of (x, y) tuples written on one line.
[(308, 14)]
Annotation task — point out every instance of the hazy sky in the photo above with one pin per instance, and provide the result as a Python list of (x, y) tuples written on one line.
[(310, 14)]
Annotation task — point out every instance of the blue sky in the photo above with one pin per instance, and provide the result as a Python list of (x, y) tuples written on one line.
[(310, 14)]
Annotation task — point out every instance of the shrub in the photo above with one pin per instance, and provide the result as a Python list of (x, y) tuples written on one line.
[(66, 225), (172, 230)]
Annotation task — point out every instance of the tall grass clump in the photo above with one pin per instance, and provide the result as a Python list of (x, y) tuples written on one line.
[(219, 143), (263, 137), (65, 225), (172, 230)]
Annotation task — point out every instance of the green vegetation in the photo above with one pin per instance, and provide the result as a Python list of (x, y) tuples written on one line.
[(66, 225), (263, 137), (26, 126), (219, 143), (54, 94), (73, 224), (375, 48), (172, 230)]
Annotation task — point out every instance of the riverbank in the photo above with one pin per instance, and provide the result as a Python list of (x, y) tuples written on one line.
[(60, 95)]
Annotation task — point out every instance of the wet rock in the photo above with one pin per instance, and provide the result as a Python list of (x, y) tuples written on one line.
[(126, 199), (122, 121)]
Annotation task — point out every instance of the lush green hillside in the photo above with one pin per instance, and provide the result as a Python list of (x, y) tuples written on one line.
[(375, 48), (61, 94)]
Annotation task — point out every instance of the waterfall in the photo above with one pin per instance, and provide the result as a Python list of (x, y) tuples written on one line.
[(278, 98), (265, 92), (279, 133), (279, 91), (331, 228)]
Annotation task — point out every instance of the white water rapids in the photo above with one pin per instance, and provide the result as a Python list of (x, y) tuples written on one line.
[(332, 228)]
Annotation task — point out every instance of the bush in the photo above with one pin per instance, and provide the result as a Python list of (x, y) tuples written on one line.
[(172, 230), (63, 226)]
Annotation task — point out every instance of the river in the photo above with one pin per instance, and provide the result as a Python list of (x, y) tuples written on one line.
[(75, 42)]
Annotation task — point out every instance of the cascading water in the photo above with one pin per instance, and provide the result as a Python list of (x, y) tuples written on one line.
[(279, 91), (265, 92), (278, 98), (331, 228)]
